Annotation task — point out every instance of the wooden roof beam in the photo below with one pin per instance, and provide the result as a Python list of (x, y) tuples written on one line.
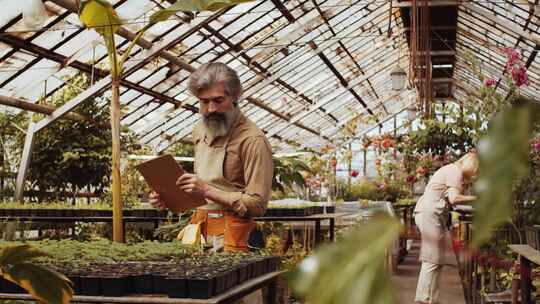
[(342, 80), (26, 105), (19, 43), (284, 11), (469, 7), (323, 16), (430, 3), (435, 28), (262, 70)]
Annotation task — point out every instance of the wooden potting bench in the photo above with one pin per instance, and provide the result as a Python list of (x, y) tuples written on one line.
[(315, 218), (527, 256)]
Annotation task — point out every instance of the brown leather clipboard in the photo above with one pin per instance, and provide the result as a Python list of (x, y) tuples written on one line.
[(161, 174)]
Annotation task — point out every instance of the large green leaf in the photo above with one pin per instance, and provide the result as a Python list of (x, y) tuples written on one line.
[(166, 13), (353, 270), (100, 16), (192, 6), (503, 154), (12, 255), (43, 284)]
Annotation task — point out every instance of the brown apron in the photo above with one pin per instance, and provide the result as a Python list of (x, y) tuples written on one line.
[(215, 220)]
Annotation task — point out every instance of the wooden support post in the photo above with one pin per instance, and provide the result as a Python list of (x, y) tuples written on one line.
[(525, 267), (118, 233), (515, 291), (395, 136), (365, 162), (317, 232), (492, 279), (349, 167), (25, 161)]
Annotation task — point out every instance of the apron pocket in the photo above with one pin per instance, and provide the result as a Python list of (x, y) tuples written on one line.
[(237, 232), (215, 226)]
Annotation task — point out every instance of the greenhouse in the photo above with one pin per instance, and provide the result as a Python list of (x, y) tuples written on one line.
[(270, 151)]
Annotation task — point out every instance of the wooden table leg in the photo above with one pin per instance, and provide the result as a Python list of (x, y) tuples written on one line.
[(272, 291), (317, 232), (525, 266), (331, 227)]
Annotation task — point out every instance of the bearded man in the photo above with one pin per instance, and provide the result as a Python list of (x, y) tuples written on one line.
[(233, 161)]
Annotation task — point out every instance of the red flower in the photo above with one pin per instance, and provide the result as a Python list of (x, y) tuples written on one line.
[(410, 179), (519, 76), (354, 173), (490, 82), (388, 143), (512, 57)]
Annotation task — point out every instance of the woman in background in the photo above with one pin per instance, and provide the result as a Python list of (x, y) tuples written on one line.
[(431, 213)]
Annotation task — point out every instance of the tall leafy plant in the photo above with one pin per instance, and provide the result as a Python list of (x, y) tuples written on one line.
[(101, 16), (45, 285)]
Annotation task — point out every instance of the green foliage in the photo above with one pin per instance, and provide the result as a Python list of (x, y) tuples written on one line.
[(133, 186), (71, 155), (376, 190), (290, 255), (182, 150), (503, 158), (170, 232), (437, 136), (104, 251), (8, 132), (43, 284), (353, 270), (287, 172), (406, 202)]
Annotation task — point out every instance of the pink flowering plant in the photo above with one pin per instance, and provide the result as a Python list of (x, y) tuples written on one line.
[(496, 93)]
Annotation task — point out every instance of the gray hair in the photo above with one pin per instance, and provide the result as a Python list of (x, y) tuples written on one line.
[(212, 73)]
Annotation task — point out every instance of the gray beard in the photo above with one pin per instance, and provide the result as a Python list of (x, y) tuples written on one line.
[(218, 125)]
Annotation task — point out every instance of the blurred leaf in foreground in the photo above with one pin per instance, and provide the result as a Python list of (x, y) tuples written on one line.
[(503, 154), (43, 284), (352, 270)]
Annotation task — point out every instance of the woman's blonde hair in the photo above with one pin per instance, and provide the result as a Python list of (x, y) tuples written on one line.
[(469, 163)]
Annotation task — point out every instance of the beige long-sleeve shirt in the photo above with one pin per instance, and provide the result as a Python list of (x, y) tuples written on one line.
[(445, 178), (248, 165)]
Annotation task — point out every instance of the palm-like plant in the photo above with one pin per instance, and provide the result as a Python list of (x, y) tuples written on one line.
[(45, 285)]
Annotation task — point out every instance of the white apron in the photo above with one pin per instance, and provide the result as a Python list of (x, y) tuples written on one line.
[(430, 217)]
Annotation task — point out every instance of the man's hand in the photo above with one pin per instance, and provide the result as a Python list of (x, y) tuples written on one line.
[(156, 201), (192, 184)]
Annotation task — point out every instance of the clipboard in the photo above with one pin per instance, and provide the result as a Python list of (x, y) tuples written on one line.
[(161, 174)]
